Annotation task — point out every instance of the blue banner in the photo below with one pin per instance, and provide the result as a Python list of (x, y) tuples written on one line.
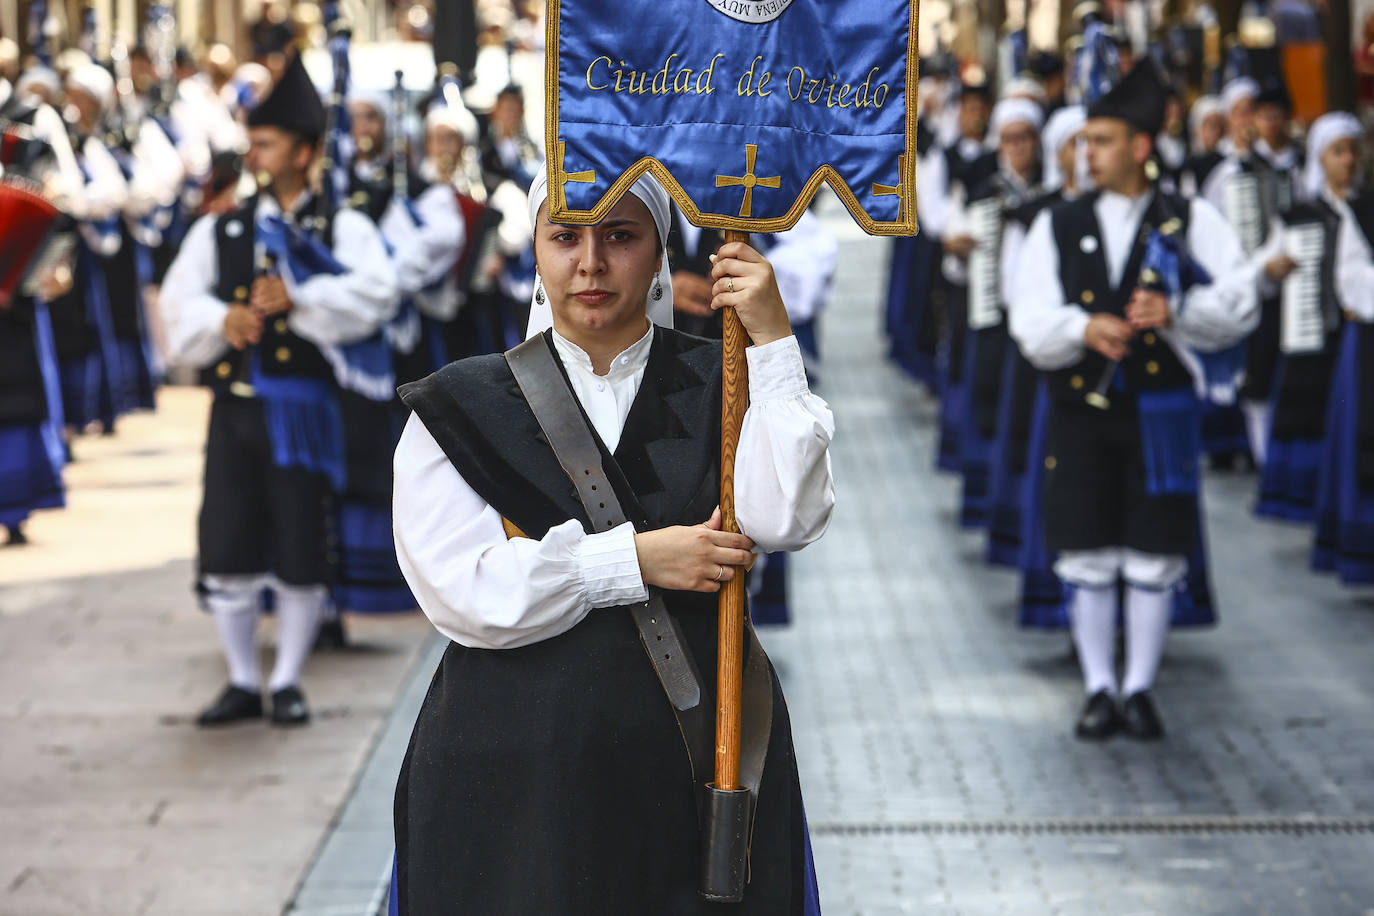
[(740, 107)]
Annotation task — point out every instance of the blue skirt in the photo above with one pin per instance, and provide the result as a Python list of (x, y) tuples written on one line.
[(28, 478), (1288, 480), (1345, 508), (1045, 598), (1006, 484), (911, 277), (370, 577), (1223, 430)]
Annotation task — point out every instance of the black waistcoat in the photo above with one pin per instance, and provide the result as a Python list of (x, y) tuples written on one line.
[(698, 261), (1201, 166), (566, 753), (22, 397), (374, 196), (1152, 363), (1300, 398), (969, 172), (281, 351)]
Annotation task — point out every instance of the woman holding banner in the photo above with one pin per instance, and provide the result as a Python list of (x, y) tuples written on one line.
[(546, 772)]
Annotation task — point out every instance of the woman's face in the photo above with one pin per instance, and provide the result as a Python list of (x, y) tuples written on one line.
[(1210, 130), (1339, 160), (597, 277)]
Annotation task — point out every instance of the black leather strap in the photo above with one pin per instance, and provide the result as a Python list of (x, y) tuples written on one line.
[(560, 417)]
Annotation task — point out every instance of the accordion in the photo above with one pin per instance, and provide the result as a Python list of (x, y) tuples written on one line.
[(26, 219), (984, 279)]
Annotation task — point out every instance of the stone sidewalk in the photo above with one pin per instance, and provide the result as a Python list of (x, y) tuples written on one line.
[(111, 801), (934, 737)]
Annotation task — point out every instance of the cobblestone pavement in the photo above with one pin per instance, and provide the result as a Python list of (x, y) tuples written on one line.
[(111, 801), (934, 737)]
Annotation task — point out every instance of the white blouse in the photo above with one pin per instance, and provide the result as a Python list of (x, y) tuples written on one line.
[(484, 591)]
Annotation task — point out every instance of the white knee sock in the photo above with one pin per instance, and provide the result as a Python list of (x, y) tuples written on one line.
[(298, 620), (1093, 616), (236, 619), (1147, 626), (1256, 415)]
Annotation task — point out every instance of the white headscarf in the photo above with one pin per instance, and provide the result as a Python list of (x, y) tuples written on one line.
[(1326, 130), (648, 190), (1242, 87), (1013, 111), (1062, 125), (456, 118), (1203, 108), (1023, 87), (95, 81)]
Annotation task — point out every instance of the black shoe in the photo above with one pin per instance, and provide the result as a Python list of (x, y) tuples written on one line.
[(331, 635), (1139, 719), (15, 536), (1099, 719), (288, 707), (234, 705)]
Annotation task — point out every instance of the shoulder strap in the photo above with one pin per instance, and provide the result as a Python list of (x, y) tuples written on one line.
[(560, 417)]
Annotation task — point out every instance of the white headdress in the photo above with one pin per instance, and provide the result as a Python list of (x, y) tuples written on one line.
[(648, 190), (1018, 110), (1062, 125), (1326, 130)]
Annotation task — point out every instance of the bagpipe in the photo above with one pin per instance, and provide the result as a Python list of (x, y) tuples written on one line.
[(338, 142)]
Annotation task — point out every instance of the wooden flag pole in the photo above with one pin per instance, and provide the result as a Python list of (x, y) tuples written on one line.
[(734, 401)]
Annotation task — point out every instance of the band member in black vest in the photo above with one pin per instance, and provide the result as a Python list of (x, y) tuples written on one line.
[(1299, 265), (1121, 479), (1064, 178), (1206, 127), (546, 736), (1345, 497), (252, 298), (973, 236)]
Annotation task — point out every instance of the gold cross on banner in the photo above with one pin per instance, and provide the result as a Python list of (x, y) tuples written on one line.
[(587, 177), (748, 180), (887, 190)]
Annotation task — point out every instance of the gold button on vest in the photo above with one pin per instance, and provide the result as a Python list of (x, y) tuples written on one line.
[(1076, 382), (283, 354), (1152, 367), (223, 370), (241, 293), (1149, 339), (1088, 297), (1050, 463), (279, 325)]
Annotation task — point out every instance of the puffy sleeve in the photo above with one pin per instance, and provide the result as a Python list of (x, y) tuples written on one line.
[(344, 308), (784, 494), (192, 313), (1354, 268), (481, 589), (1220, 314), (1048, 329)]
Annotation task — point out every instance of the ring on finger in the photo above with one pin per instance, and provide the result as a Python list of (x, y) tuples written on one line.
[(720, 571), (729, 284)]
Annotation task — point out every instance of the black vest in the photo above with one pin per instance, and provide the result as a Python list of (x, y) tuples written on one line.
[(1201, 166), (373, 197), (969, 172), (281, 351), (1363, 206), (699, 263), (1152, 364)]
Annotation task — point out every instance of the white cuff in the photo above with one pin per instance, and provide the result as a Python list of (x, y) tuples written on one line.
[(610, 568), (776, 371)]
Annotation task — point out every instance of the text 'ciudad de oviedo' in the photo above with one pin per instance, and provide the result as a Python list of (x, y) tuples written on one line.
[(604, 74)]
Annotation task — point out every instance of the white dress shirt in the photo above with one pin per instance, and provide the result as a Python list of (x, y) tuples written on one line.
[(326, 309), (1354, 262), (1049, 327), (485, 591), (424, 254)]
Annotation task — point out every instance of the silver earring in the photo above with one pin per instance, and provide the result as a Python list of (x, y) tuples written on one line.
[(657, 292), (539, 294)]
